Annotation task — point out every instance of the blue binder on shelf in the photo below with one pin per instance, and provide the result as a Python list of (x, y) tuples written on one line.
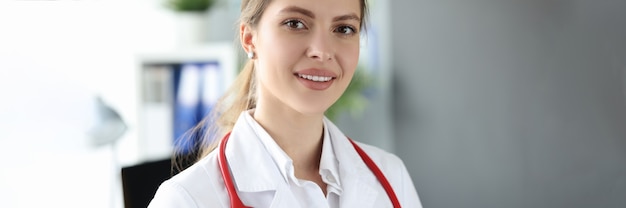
[(197, 87)]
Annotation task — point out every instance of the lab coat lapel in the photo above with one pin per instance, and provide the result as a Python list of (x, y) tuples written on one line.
[(358, 183), (284, 198), (252, 169), (256, 175), (357, 191)]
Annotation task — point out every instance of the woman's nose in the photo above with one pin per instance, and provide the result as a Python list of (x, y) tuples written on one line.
[(321, 47)]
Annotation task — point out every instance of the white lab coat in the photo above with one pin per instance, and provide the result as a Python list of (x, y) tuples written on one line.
[(260, 184)]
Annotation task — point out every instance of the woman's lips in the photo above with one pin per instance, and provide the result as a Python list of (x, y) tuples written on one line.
[(316, 79)]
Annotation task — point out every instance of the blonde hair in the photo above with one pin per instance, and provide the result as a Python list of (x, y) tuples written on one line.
[(241, 96)]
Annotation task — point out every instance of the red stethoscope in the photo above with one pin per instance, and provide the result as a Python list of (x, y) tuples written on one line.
[(235, 202)]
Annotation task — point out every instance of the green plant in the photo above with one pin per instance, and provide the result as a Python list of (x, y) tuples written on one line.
[(352, 99), (190, 5)]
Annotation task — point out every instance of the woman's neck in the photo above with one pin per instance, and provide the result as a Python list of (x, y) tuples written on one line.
[(299, 135)]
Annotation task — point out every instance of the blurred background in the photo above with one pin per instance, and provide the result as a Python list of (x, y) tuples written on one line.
[(516, 103)]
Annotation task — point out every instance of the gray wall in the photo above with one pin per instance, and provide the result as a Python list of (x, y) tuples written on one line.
[(511, 103)]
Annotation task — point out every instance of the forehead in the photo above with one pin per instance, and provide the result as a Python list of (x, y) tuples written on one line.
[(329, 8)]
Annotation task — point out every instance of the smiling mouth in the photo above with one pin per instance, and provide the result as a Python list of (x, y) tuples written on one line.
[(315, 78)]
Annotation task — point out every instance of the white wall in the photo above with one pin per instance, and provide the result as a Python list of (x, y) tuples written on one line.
[(55, 57)]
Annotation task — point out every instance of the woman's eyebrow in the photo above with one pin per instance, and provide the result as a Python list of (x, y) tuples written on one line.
[(309, 13), (295, 9), (347, 17)]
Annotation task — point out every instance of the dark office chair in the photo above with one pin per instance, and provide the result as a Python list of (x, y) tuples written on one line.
[(140, 182)]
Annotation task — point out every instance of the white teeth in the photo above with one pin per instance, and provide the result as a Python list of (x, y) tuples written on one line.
[(315, 78)]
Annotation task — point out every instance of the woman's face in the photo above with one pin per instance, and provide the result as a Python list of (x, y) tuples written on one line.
[(306, 52)]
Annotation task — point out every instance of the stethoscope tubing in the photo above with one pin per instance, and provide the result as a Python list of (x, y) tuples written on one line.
[(236, 202)]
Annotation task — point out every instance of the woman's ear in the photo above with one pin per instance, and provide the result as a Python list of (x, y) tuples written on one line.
[(246, 36)]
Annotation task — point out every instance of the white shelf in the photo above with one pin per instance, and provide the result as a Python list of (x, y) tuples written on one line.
[(156, 100)]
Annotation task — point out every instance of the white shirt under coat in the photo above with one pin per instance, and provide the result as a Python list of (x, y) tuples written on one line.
[(264, 175)]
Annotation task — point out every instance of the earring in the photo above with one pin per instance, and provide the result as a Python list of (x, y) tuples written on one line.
[(251, 54)]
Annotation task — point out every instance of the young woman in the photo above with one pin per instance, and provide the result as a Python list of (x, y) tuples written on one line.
[(276, 148)]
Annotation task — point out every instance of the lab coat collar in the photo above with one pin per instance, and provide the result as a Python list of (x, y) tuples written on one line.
[(256, 171), (281, 159), (328, 162), (357, 181), (329, 165)]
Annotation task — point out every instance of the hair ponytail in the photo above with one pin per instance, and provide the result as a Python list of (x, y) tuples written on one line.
[(207, 134), (241, 96)]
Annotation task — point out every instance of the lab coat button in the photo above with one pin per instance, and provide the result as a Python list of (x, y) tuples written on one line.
[(330, 179)]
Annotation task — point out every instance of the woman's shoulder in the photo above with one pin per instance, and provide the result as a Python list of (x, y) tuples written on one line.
[(396, 172), (199, 172), (383, 158), (196, 186)]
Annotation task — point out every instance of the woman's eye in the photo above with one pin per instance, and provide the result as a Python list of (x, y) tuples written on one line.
[(345, 30), (294, 24)]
